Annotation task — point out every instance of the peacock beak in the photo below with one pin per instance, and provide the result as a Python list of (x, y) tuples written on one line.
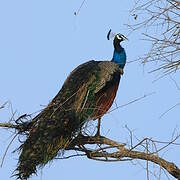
[(125, 38)]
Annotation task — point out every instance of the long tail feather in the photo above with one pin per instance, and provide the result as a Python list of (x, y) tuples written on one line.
[(45, 140)]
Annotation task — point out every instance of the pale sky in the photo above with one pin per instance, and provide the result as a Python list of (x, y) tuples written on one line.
[(42, 41)]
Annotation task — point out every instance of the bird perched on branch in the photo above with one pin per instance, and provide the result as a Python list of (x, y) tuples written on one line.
[(87, 94)]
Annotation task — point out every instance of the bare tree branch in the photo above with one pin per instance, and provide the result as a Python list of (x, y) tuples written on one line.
[(121, 152), (160, 21), (101, 148)]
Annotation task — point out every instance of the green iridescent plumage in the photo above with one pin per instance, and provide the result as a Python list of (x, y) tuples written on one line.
[(76, 103), (87, 94)]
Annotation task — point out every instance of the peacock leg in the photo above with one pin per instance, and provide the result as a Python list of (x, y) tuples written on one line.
[(98, 127)]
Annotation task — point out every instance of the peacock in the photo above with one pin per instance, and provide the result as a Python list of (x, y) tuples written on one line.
[(87, 94)]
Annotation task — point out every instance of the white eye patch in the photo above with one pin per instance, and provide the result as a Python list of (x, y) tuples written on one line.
[(119, 36)]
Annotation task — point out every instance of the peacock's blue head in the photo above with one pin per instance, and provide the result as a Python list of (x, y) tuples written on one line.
[(119, 55)]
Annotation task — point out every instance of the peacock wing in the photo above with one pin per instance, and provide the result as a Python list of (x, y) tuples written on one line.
[(55, 126), (105, 93)]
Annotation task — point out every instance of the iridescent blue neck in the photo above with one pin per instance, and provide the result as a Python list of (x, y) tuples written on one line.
[(119, 55)]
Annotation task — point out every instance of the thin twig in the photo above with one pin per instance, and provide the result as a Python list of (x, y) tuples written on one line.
[(77, 12), (7, 149)]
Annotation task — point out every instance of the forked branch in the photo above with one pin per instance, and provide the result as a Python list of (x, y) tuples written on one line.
[(120, 154)]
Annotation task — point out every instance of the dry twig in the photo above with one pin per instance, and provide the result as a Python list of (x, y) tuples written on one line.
[(120, 154), (160, 21)]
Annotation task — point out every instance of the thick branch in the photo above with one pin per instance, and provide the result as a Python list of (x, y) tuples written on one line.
[(8, 125), (118, 151), (120, 154)]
